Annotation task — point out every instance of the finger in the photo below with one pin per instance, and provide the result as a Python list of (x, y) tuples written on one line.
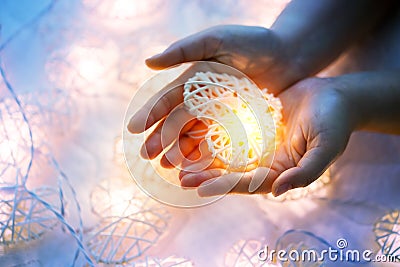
[(309, 168), (200, 155), (201, 164), (199, 160), (191, 135), (179, 150), (152, 147), (195, 179), (198, 131), (176, 124), (238, 182), (159, 105), (168, 98), (193, 156), (200, 46)]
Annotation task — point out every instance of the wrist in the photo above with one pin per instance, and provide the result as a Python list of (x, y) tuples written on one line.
[(374, 98), (289, 66), (356, 118), (354, 101)]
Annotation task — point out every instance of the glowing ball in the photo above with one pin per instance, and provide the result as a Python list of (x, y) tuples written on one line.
[(23, 217), (118, 240), (242, 124), (130, 222), (16, 144), (116, 197), (387, 232)]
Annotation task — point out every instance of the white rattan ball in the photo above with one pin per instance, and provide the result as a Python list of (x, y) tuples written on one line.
[(242, 120), (23, 217), (387, 232)]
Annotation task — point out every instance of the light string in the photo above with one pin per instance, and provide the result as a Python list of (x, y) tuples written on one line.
[(60, 215)]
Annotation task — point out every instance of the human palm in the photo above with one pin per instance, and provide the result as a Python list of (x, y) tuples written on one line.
[(317, 129), (315, 115), (255, 51)]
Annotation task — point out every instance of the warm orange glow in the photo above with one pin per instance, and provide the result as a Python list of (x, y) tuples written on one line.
[(242, 120)]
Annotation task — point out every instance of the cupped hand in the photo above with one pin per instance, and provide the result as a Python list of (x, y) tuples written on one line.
[(176, 133), (256, 51), (318, 125)]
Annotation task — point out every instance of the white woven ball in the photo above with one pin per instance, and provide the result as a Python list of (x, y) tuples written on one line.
[(242, 120)]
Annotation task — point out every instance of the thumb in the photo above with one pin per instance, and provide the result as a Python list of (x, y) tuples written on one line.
[(311, 166), (200, 46)]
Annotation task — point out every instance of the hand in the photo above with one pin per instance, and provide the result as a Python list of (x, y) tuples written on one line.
[(174, 125), (318, 125), (257, 52)]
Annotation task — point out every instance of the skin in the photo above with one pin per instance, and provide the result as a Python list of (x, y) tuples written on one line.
[(319, 114)]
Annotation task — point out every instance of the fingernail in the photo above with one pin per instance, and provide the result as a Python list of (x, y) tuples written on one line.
[(135, 123), (131, 126), (153, 57), (189, 181), (283, 188), (206, 189), (149, 150), (182, 174), (196, 167), (208, 182), (144, 153)]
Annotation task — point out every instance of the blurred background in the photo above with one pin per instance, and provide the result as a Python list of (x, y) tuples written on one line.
[(68, 71)]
